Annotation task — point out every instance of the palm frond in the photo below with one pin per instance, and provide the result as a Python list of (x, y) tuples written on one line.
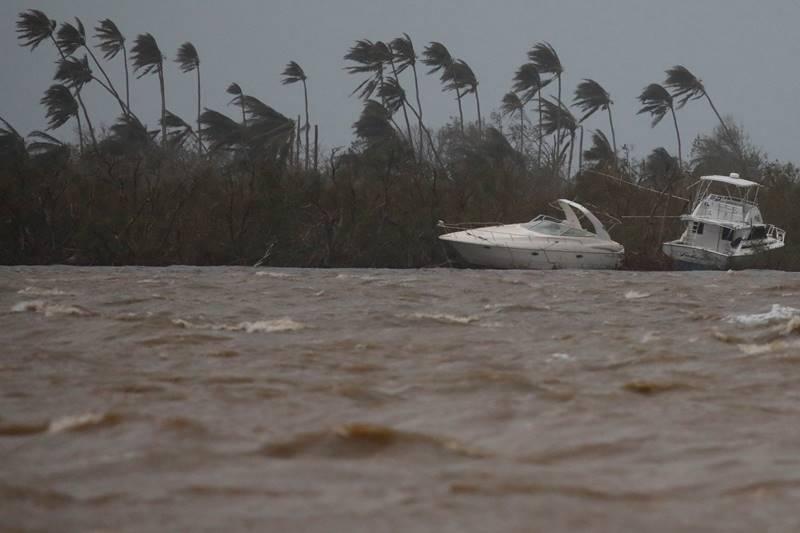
[(111, 39), (373, 125), (544, 56), (403, 51), (656, 101), (437, 56), (128, 131), (73, 72), (684, 85), (60, 105), (392, 94), (171, 120), (221, 130), (12, 144), (45, 145), (459, 76), (511, 104), (70, 38), (555, 117), (591, 97), (528, 82), (601, 151), (187, 57), (234, 89), (293, 73), (33, 27), (362, 53), (146, 55)]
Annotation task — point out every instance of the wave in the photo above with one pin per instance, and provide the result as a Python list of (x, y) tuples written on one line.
[(48, 309), (36, 291), (261, 326), (364, 441), (83, 422), (778, 313), (443, 318)]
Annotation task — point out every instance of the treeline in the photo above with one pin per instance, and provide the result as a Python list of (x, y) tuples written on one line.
[(255, 188)]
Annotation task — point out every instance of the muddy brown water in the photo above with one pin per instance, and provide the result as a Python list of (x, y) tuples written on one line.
[(203, 399)]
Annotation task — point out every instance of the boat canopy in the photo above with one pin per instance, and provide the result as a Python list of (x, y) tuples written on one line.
[(734, 180), (572, 219)]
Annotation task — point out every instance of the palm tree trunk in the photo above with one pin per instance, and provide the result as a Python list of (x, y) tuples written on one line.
[(430, 139), (405, 111), (109, 86), (521, 131), (419, 107), (77, 95), (308, 127), (80, 131), (127, 81), (201, 148), (571, 153), (478, 104), (539, 132), (678, 134), (163, 105), (613, 135), (580, 153), (244, 114), (460, 110), (724, 126), (88, 120), (558, 118)]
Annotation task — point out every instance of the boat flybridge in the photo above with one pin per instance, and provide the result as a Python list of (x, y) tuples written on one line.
[(726, 230), (544, 243)]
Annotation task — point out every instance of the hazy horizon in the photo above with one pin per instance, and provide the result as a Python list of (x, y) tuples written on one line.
[(742, 51)]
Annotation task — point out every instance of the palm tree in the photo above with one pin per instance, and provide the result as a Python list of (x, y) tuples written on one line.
[(556, 116), (374, 124), (147, 59), (45, 145), (222, 132), (12, 144), (75, 73), (34, 27), (461, 77), (181, 130), (404, 56), (61, 106), (111, 43), (294, 73), (546, 60), (369, 58), (437, 56), (528, 82), (393, 95), (686, 86), (591, 97), (189, 60), (238, 99), (657, 101), (69, 39), (512, 104)]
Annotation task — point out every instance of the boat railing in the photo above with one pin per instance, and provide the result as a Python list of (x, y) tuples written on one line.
[(774, 232)]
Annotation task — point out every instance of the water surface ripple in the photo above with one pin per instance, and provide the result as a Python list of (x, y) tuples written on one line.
[(202, 399)]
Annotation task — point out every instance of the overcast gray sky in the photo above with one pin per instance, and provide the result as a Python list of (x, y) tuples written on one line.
[(747, 53)]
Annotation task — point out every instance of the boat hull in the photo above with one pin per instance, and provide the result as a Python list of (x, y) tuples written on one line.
[(505, 257), (686, 257)]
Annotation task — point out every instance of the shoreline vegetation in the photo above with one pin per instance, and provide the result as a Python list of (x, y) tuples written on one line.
[(251, 186)]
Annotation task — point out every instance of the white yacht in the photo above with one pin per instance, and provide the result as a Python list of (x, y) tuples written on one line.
[(724, 229), (544, 243)]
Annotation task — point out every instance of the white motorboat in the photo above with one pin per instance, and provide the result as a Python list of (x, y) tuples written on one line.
[(544, 243), (724, 228)]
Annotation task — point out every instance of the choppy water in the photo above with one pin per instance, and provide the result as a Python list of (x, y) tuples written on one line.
[(187, 399)]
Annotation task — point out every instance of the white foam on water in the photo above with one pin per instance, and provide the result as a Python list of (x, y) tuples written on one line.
[(774, 346), (36, 291), (778, 313), (636, 295), (273, 274), (69, 423), (48, 310), (560, 356), (260, 326), (442, 317), (649, 336)]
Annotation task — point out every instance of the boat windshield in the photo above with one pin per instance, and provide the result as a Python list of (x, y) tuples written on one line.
[(551, 226)]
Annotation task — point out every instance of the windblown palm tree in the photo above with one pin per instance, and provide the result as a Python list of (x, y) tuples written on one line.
[(528, 82), (179, 130), (266, 133), (293, 73), (546, 60), (686, 86), (590, 97), (12, 144), (393, 95), (438, 57), (600, 153), (222, 132), (512, 104), (111, 43), (555, 117), (369, 58), (404, 56), (238, 99), (189, 60), (34, 27), (71, 38), (75, 73), (148, 59), (45, 145), (60, 105), (657, 101), (460, 77)]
